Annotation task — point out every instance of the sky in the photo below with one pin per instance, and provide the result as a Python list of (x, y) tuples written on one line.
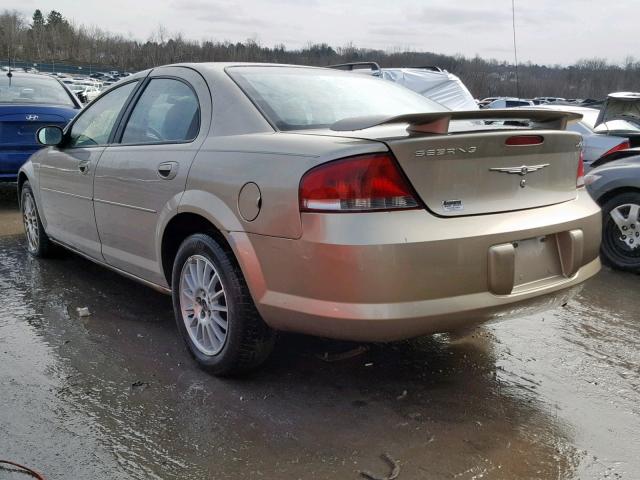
[(548, 31)]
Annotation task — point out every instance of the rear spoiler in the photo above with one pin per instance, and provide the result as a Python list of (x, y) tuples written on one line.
[(438, 122)]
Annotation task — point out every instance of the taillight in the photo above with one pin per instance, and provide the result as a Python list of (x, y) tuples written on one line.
[(521, 140), (580, 175), (356, 184), (621, 146)]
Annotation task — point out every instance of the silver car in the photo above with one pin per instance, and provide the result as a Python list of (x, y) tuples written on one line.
[(266, 197), (597, 142)]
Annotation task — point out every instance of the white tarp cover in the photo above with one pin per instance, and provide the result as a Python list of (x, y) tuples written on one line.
[(443, 87)]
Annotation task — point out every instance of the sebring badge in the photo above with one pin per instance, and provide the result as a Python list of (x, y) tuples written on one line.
[(438, 152), (522, 171)]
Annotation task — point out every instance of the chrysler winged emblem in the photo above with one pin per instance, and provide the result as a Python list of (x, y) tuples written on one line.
[(522, 171), (32, 117)]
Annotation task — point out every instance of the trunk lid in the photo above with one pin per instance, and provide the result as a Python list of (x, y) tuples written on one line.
[(460, 163), (479, 173), (19, 123), (621, 107)]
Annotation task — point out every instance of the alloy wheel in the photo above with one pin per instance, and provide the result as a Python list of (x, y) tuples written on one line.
[(203, 305), (626, 218), (30, 220)]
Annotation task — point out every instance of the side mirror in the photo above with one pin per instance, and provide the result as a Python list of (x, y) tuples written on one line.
[(49, 136), (82, 97)]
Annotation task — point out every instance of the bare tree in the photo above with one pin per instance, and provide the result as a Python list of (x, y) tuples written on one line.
[(52, 37)]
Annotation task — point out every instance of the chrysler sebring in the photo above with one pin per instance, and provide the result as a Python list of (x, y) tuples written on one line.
[(271, 197)]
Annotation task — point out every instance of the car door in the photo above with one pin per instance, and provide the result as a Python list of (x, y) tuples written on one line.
[(143, 174), (67, 173)]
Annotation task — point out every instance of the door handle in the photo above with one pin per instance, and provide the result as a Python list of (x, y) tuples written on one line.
[(83, 167), (168, 170)]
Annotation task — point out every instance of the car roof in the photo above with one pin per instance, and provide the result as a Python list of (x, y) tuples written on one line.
[(220, 66)]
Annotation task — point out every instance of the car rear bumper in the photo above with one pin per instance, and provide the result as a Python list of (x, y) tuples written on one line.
[(394, 275)]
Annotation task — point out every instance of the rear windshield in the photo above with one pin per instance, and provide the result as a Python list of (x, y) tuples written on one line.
[(33, 89), (300, 98)]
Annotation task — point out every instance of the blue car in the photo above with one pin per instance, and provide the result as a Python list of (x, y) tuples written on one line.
[(28, 102)]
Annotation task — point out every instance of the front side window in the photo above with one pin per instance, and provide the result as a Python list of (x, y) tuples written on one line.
[(301, 98), (167, 111), (94, 125)]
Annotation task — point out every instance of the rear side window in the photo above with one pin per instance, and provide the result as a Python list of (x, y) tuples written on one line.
[(167, 111), (94, 124)]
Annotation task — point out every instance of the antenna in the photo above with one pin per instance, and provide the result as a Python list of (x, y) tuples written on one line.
[(515, 49)]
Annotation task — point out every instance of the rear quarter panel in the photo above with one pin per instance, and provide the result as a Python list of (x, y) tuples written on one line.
[(275, 162)]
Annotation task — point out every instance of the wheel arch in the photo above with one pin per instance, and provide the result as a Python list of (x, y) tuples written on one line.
[(177, 229), (609, 194), (22, 178)]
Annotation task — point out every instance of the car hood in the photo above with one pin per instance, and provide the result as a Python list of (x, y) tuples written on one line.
[(620, 106)]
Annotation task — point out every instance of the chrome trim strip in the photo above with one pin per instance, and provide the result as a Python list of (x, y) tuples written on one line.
[(125, 205), (65, 193), (131, 276)]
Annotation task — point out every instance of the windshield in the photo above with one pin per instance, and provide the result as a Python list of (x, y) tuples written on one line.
[(33, 89), (300, 98)]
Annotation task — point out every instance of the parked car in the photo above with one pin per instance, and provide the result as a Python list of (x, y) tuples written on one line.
[(620, 115), (509, 103), (270, 197), (27, 102), (616, 187), (486, 101), (85, 92), (597, 145), (432, 82), (545, 100)]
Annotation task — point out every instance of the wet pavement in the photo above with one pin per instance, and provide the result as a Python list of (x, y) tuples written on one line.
[(116, 396)]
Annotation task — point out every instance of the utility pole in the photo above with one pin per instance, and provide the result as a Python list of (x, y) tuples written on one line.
[(515, 49)]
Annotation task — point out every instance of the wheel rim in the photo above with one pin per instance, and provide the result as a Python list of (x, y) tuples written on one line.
[(622, 232), (203, 304), (30, 220), (626, 218)]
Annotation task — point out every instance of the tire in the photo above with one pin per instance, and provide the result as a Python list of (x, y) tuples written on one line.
[(621, 243), (200, 309), (38, 243)]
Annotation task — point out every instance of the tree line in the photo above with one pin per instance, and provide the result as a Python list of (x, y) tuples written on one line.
[(54, 38)]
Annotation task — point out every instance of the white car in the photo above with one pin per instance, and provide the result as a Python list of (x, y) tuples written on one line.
[(509, 103)]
